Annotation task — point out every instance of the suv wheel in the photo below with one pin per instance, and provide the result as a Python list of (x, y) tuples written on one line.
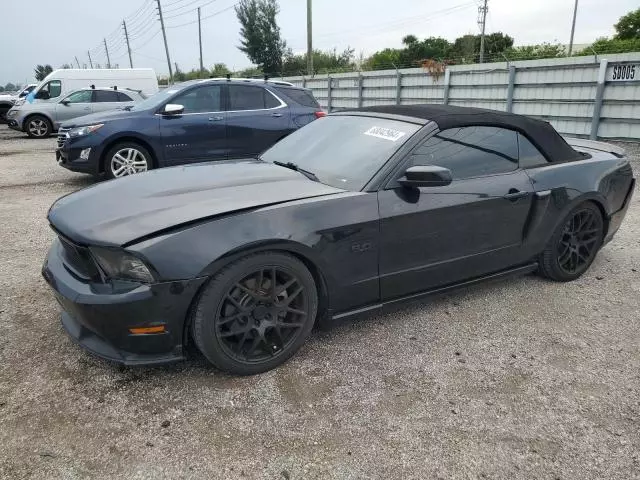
[(127, 159), (38, 126)]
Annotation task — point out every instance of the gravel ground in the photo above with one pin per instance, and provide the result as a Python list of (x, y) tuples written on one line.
[(517, 380)]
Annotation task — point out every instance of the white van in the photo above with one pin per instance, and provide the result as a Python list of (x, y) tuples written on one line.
[(60, 82)]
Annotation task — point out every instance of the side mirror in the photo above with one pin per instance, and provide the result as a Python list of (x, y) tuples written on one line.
[(172, 109), (23, 94), (65, 103), (426, 176)]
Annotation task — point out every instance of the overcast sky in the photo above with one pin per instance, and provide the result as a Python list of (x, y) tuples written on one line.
[(42, 31)]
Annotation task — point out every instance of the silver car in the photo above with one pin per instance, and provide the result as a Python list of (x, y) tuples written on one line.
[(40, 119)]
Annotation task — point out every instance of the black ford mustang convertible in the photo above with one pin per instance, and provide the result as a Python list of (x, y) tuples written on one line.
[(352, 213)]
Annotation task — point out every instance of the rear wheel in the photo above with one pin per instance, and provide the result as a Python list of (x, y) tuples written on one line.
[(574, 244), (255, 313), (38, 126), (127, 158)]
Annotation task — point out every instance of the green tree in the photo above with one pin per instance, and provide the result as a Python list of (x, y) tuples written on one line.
[(612, 45), (66, 66), (628, 27), (384, 59), (41, 71), (251, 72), (531, 52), (219, 70), (323, 62), (466, 49), (1, 88), (429, 48), (9, 87), (261, 40), (179, 75)]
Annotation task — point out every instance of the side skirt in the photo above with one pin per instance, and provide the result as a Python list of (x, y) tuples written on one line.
[(392, 304)]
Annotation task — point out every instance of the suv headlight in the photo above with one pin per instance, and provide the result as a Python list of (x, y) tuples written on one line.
[(82, 131), (19, 102), (118, 264)]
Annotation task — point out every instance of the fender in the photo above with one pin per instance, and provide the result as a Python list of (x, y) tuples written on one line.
[(328, 232)]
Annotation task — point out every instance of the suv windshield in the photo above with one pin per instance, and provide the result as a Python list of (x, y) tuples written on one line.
[(157, 99), (342, 151)]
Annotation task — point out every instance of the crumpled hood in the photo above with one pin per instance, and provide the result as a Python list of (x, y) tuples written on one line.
[(119, 211)]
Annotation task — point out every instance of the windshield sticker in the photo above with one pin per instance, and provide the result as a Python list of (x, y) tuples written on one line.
[(385, 133)]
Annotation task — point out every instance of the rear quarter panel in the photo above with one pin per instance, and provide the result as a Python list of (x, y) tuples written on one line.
[(604, 179)]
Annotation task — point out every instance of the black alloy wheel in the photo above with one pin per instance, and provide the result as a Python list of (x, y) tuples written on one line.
[(574, 245), (256, 313), (579, 241)]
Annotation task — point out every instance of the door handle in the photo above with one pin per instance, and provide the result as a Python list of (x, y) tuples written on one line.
[(277, 115), (514, 194), (215, 119)]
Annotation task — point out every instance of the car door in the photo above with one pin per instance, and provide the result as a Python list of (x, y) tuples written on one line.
[(76, 104), (198, 134), (256, 120), (104, 100), (434, 236)]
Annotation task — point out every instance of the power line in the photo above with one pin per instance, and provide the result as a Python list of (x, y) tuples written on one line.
[(204, 18), (397, 23), (190, 11), (186, 6), (173, 3), (145, 43)]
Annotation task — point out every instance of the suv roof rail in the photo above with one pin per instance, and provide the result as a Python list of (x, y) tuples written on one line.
[(254, 80)]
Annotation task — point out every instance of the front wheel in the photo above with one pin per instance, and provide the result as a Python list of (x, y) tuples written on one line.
[(255, 313), (127, 159), (574, 245), (38, 126)]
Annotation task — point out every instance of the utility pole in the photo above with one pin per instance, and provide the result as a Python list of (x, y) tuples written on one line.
[(89, 55), (482, 21), (200, 40), (573, 27), (166, 47), (126, 36), (77, 62), (107, 50), (309, 39)]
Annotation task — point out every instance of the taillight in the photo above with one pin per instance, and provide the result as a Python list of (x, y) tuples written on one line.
[(320, 114)]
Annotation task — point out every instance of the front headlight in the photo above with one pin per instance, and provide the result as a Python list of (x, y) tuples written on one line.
[(82, 131), (19, 102), (12, 113), (118, 264)]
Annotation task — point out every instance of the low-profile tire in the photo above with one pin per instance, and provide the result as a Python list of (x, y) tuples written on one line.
[(38, 126), (574, 244), (127, 158), (245, 323)]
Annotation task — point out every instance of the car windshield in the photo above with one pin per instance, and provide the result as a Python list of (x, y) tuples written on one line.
[(343, 151), (157, 99)]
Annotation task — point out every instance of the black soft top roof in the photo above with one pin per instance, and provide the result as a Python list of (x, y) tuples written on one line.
[(540, 133)]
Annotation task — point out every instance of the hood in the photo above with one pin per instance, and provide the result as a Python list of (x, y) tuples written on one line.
[(123, 210), (100, 117)]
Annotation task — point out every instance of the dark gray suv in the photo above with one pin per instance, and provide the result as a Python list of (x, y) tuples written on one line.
[(195, 121)]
